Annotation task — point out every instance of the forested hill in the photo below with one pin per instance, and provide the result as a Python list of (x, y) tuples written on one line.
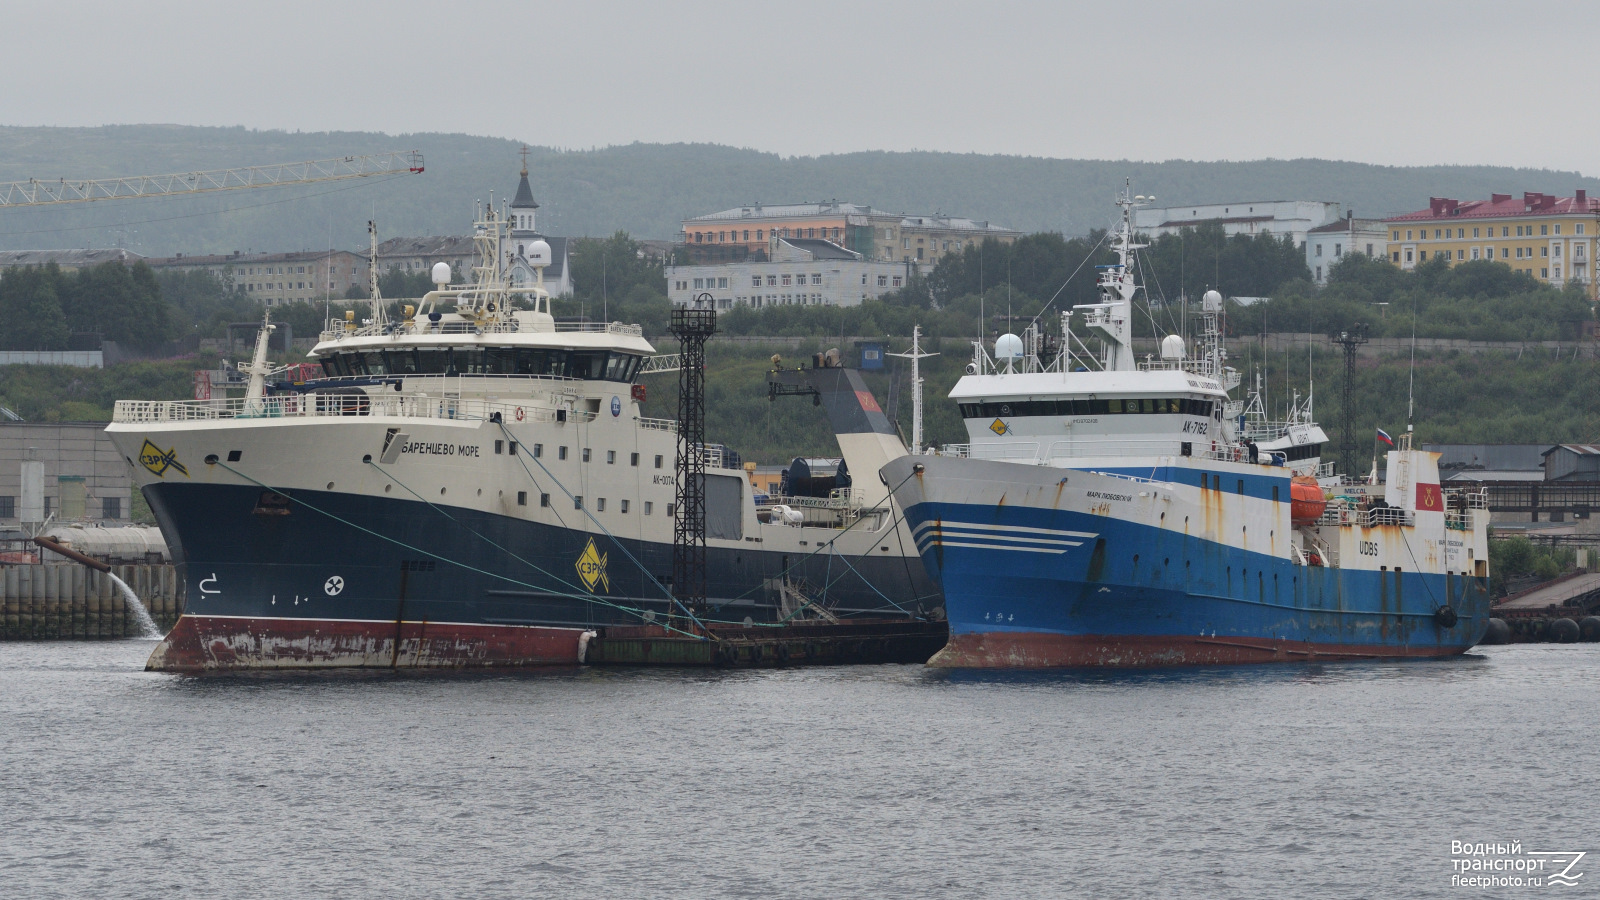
[(644, 189)]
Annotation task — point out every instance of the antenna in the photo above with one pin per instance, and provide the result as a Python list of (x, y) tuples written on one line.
[(914, 355), (1349, 339), (372, 273), (1411, 378)]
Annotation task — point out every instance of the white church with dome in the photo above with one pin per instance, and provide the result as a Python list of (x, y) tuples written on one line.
[(524, 231)]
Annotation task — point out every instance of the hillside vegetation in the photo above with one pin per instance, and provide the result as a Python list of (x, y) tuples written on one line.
[(644, 189)]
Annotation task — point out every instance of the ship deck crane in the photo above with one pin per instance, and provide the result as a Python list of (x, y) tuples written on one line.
[(34, 192)]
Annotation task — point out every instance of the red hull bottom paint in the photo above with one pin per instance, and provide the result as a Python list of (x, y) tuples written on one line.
[(226, 643), (1033, 650)]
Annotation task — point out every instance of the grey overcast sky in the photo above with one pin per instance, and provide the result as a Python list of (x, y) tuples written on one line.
[(1396, 82)]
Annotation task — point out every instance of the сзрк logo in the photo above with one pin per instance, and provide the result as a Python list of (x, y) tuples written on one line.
[(591, 566), (158, 461)]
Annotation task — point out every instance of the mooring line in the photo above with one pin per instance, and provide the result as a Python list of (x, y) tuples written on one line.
[(601, 525), (506, 578)]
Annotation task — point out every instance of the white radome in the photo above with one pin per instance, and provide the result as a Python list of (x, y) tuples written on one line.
[(1172, 347), (441, 273), (538, 253), (1009, 346)]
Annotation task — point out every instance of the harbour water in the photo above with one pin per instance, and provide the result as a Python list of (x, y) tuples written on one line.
[(1346, 780)]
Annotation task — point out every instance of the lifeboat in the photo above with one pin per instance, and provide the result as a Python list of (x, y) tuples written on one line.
[(1306, 501)]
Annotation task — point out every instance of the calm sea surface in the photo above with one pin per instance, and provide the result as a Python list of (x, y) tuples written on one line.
[(888, 781)]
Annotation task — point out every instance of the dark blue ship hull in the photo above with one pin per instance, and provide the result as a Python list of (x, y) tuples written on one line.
[(340, 579)]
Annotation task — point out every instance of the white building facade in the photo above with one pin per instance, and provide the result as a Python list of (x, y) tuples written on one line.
[(1281, 217), (1327, 244), (801, 272)]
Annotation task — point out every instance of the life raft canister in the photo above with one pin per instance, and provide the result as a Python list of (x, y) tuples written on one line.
[(1306, 501)]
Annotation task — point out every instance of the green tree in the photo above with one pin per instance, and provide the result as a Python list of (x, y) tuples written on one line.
[(202, 302), (604, 270), (30, 309), (121, 303)]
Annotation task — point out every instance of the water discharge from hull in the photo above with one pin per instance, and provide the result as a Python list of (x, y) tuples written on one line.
[(147, 625)]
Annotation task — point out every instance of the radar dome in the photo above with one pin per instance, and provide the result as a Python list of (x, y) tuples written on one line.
[(441, 273), (1172, 347), (1211, 302), (538, 253), (1009, 346)]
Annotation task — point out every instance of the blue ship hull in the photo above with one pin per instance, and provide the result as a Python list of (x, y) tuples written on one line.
[(1028, 586)]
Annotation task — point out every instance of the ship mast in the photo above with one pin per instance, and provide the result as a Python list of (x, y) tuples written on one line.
[(1111, 319), (378, 315), (914, 355)]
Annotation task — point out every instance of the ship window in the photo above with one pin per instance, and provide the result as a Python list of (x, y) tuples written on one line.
[(499, 447), (649, 507), (500, 361), (538, 450), (611, 457), (658, 460), (624, 509), (522, 498), (633, 459), (513, 449), (1241, 486), (619, 367), (401, 362), (544, 499), (561, 452), (333, 366), (600, 505), (1116, 406), (586, 454), (374, 363), (588, 365), (577, 502), (433, 362)]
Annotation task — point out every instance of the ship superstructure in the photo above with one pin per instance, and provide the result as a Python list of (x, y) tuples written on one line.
[(1112, 511), (473, 483)]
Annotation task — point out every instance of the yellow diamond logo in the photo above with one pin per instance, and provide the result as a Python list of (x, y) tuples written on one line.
[(158, 461), (591, 567), (999, 427)]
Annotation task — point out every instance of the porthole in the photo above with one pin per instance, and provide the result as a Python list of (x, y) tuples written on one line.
[(330, 485), (387, 488)]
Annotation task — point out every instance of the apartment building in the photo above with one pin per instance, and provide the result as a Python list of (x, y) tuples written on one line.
[(1294, 218), (798, 272), (1326, 245), (277, 278), (741, 233), (67, 260), (1550, 238)]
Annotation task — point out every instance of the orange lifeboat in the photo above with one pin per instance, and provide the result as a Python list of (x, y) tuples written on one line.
[(1306, 501)]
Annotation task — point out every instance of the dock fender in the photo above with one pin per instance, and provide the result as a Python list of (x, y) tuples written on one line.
[(583, 645), (1445, 616)]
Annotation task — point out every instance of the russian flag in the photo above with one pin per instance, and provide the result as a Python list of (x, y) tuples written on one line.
[(1384, 436)]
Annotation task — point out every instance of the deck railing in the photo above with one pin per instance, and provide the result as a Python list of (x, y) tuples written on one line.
[(311, 405), (424, 327)]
